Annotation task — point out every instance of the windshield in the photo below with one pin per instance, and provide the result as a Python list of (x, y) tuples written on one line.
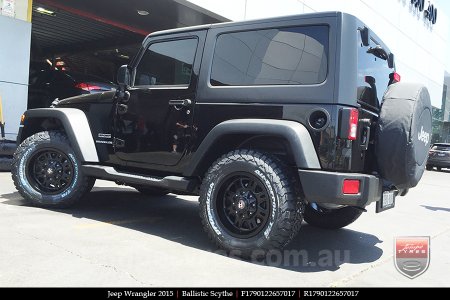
[(441, 147), (79, 77)]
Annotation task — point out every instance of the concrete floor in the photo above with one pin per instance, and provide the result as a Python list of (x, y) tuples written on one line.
[(117, 237)]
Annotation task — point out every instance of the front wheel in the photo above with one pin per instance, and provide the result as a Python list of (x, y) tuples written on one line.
[(249, 203), (46, 171), (330, 218)]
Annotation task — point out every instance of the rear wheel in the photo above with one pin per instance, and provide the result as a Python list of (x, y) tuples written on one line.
[(46, 171), (249, 203), (439, 168), (429, 168), (330, 218)]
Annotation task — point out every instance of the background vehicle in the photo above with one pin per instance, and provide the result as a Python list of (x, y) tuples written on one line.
[(439, 156), (269, 121), (47, 84)]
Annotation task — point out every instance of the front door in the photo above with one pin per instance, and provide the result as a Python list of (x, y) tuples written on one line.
[(155, 126)]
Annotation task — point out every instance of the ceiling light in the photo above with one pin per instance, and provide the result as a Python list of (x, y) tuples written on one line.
[(142, 12), (45, 11)]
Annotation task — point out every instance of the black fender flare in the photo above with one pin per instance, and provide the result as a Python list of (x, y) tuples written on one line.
[(295, 133), (75, 125)]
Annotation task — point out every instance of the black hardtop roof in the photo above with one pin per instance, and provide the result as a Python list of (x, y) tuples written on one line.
[(249, 22)]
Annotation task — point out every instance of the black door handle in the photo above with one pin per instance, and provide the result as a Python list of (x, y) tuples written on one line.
[(183, 102)]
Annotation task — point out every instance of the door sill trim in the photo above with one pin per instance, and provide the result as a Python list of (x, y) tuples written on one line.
[(176, 183)]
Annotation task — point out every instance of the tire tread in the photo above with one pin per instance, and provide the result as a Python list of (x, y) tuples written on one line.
[(42, 137), (285, 184)]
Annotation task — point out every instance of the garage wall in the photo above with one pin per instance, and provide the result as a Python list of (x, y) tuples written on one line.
[(19, 8), (14, 65), (420, 48)]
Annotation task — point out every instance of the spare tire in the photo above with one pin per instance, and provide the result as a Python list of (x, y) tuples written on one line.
[(403, 134)]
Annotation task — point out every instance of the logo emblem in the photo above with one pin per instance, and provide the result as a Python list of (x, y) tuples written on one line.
[(412, 255), (423, 136), (241, 204)]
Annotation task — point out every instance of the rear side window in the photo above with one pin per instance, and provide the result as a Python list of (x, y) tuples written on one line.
[(373, 73), (276, 56)]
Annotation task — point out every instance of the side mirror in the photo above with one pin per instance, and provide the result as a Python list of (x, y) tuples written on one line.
[(124, 76)]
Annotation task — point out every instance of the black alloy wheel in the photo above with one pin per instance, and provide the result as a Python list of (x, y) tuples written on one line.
[(250, 203), (243, 205), (50, 171), (47, 172)]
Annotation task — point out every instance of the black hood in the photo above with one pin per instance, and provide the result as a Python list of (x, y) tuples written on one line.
[(105, 97)]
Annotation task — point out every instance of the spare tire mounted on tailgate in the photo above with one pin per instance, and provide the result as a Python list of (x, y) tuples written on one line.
[(404, 134)]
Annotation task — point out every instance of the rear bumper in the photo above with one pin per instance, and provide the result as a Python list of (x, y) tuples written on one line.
[(326, 187)]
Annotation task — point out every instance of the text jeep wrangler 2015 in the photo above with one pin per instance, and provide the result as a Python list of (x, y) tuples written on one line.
[(269, 121)]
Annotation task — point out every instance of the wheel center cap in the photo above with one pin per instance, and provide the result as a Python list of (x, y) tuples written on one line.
[(50, 171), (241, 204)]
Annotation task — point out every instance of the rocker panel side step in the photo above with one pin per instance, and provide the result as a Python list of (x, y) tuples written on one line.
[(169, 182)]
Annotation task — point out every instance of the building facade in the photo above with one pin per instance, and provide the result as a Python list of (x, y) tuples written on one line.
[(418, 44), (15, 29), (415, 36)]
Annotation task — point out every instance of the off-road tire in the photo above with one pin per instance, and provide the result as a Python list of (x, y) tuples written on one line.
[(91, 183), (23, 168), (281, 186), (403, 134), (331, 218)]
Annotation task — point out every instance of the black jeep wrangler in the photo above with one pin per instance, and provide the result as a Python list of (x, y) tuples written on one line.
[(271, 122)]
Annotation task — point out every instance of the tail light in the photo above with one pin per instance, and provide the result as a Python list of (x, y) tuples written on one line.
[(353, 124), (87, 87), (351, 187), (348, 123)]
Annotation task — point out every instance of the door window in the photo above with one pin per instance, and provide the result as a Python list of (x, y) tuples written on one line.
[(167, 63)]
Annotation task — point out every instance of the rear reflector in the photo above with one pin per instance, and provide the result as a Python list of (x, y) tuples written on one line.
[(351, 187), (353, 125)]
